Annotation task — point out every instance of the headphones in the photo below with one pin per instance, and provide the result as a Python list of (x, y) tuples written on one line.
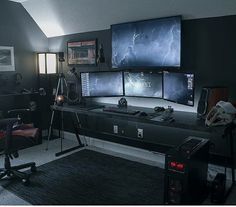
[(122, 102)]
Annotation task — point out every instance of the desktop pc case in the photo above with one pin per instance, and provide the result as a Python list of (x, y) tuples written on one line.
[(186, 169)]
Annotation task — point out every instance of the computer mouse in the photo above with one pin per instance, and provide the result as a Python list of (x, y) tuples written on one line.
[(143, 114), (159, 109)]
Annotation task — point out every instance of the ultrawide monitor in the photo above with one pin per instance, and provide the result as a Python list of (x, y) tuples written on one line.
[(148, 43), (179, 87), (102, 84), (143, 84)]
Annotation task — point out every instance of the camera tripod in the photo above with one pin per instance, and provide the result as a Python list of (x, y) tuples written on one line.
[(59, 91)]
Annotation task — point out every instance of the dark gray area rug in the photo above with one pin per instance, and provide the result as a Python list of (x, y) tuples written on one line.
[(89, 177)]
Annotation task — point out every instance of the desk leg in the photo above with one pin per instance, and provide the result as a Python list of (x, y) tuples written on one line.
[(50, 128), (231, 141), (67, 151), (232, 156), (77, 136), (62, 129)]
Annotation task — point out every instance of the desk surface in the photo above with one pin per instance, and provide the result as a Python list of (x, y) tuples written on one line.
[(159, 136), (18, 94), (185, 120)]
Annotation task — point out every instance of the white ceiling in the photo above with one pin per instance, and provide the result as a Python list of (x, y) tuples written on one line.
[(61, 17), (19, 1)]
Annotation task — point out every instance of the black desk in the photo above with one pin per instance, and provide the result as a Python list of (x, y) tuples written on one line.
[(158, 136)]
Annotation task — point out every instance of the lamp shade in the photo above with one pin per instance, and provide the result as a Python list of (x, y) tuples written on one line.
[(47, 63)]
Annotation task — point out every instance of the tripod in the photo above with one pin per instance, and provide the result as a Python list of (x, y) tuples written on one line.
[(60, 88)]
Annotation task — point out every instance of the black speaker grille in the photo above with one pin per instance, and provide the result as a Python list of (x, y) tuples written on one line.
[(202, 104), (61, 56)]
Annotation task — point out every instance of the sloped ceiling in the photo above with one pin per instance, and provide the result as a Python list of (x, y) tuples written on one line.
[(61, 17)]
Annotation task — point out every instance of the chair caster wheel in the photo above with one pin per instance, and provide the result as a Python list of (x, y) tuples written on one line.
[(33, 169), (3, 174), (25, 182), (10, 175)]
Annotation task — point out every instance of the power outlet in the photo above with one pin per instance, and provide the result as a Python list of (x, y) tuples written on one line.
[(140, 133), (115, 129)]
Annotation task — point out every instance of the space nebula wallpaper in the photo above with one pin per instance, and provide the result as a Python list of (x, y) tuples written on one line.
[(143, 84), (99, 84), (150, 43)]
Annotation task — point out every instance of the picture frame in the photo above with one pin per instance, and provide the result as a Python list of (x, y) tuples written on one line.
[(82, 52), (7, 62)]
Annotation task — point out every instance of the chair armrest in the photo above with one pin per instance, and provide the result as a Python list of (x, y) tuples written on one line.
[(18, 111), (9, 121)]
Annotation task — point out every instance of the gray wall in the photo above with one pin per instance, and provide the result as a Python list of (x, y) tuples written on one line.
[(19, 30), (208, 50)]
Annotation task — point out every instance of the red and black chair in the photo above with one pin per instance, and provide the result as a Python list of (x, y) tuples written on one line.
[(14, 136)]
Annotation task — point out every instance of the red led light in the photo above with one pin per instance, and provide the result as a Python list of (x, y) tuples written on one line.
[(180, 166), (177, 166), (173, 164)]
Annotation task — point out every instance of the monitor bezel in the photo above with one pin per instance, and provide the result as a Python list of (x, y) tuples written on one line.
[(181, 72), (159, 68), (105, 71), (144, 71)]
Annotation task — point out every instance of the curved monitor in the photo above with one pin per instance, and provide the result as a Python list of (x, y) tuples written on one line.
[(143, 84), (179, 87), (102, 84), (148, 43)]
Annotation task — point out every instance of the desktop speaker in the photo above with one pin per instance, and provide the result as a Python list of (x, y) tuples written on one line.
[(72, 93), (209, 98)]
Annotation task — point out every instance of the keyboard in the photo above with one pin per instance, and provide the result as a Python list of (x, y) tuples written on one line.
[(121, 110)]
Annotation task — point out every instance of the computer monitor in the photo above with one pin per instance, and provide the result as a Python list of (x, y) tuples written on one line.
[(179, 87), (143, 84), (102, 84), (149, 43)]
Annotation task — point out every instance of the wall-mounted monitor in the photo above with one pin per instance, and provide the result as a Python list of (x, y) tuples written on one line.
[(148, 43), (143, 84), (179, 87), (102, 84)]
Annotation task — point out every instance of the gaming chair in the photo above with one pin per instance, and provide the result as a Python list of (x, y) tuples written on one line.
[(13, 137)]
